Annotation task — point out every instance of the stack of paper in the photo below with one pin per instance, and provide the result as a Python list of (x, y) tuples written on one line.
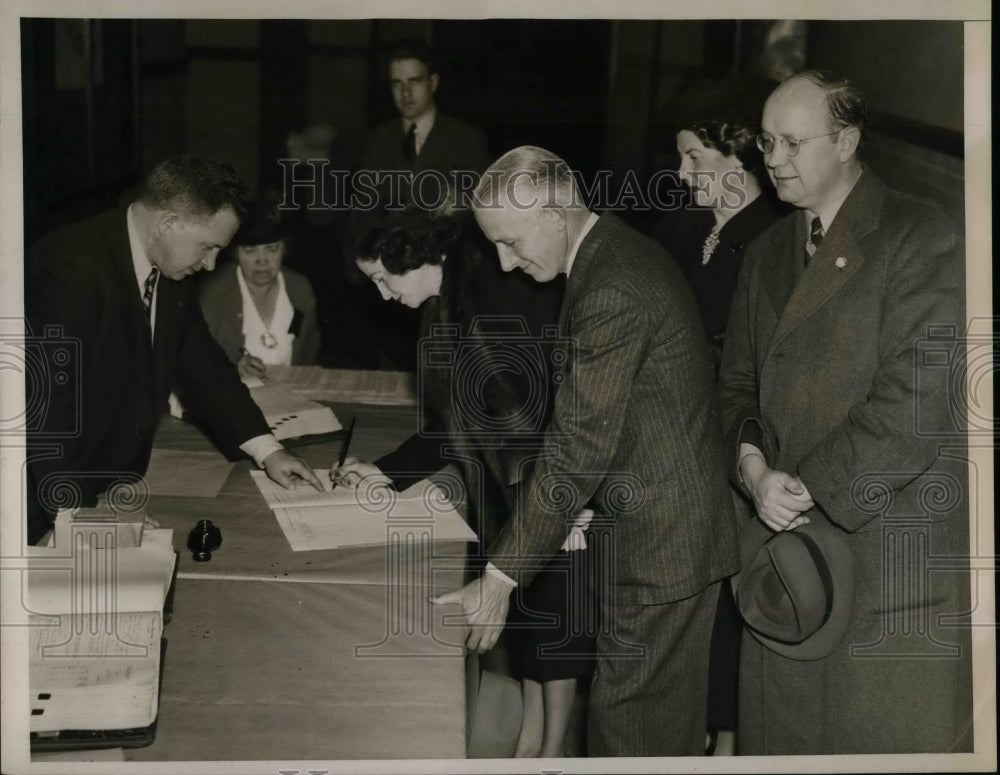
[(347, 385), (96, 621), (345, 516), (291, 416)]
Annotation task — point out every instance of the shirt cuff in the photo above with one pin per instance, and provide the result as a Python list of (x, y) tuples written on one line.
[(259, 447), (494, 571)]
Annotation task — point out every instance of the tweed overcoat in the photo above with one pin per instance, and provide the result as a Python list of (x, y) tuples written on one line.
[(831, 361)]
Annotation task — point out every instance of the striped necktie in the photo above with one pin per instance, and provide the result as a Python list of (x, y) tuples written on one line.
[(147, 293), (815, 238)]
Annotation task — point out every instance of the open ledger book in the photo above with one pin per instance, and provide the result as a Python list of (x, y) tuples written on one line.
[(366, 516), (95, 626)]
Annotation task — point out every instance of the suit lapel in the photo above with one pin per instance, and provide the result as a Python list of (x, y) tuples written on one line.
[(837, 260), (781, 272), (582, 266)]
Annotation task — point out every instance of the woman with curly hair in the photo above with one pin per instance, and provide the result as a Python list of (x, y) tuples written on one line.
[(488, 390), (731, 199)]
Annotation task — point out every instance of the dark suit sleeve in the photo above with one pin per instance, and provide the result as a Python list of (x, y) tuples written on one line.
[(925, 287), (211, 388), (62, 304), (413, 460), (611, 335), (741, 415)]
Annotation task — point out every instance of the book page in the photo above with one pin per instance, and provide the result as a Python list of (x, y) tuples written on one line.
[(344, 516)]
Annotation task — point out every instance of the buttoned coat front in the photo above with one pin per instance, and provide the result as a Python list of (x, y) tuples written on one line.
[(832, 362)]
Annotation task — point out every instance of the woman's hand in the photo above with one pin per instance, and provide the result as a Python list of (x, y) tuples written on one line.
[(354, 470), (251, 366)]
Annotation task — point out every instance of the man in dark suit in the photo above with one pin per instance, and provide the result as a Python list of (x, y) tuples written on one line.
[(634, 431), (418, 157), (113, 288), (830, 409), (423, 139)]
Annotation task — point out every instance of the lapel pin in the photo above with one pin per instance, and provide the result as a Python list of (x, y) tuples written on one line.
[(841, 262)]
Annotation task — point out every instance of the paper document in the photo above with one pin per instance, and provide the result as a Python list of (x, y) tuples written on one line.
[(290, 416), (94, 630), (134, 579), (343, 516), (347, 385), (80, 679)]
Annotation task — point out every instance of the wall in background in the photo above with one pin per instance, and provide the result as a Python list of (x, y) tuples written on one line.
[(912, 73), (588, 89)]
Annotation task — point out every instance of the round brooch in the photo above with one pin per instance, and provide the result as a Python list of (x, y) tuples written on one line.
[(268, 340)]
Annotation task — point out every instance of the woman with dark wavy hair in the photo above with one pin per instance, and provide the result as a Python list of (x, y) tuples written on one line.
[(731, 198), (487, 339)]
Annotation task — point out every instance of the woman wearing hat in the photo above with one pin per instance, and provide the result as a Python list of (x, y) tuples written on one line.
[(731, 203), (259, 312)]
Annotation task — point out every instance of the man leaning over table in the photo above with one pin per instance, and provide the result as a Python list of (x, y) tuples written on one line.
[(634, 415), (113, 288)]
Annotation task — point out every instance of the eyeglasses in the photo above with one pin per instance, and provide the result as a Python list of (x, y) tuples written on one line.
[(766, 142)]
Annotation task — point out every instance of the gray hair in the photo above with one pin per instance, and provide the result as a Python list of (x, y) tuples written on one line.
[(538, 175)]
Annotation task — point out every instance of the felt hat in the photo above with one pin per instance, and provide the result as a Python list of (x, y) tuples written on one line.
[(264, 224), (795, 589)]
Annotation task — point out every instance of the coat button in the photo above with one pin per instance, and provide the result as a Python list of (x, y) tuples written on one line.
[(841, 262)]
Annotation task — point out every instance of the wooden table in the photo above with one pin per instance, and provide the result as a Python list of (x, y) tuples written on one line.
[(323, 655)]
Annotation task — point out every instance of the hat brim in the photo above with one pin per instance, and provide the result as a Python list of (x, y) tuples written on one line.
[(840, 560)]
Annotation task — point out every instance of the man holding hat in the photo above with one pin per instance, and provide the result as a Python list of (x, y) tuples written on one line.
[(851, 448)]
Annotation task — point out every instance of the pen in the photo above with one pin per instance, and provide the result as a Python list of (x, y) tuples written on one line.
[(345, 446)]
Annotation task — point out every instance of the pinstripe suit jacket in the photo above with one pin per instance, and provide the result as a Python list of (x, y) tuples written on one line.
[(635, 429)]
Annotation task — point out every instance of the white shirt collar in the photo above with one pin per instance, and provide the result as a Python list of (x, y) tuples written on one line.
[(579, 240), (141, 264), (424, 122)]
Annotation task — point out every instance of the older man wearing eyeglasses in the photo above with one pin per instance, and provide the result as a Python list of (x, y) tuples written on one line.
[(833, 414)]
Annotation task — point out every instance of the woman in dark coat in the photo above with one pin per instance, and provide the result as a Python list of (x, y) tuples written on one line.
[(731, 203), (732, 200), (486, 352)]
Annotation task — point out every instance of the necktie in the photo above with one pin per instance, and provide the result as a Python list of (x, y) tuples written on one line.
[(815, 238), (147, 293), (410, 143)]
